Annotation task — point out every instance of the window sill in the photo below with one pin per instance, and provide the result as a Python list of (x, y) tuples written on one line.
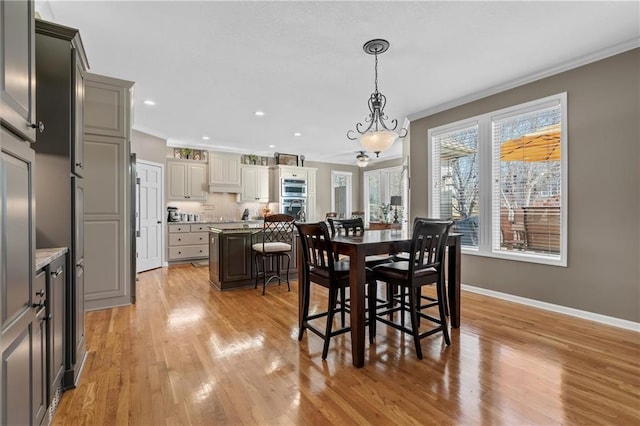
[(519, 257)]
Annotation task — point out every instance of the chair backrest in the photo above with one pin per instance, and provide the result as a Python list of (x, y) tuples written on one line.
[(346, 226), (317, 250), (278, 228), (428, 244), (331, 214), (357, 214)]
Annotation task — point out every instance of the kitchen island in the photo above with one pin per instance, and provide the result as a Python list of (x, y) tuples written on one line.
[(231, 260)]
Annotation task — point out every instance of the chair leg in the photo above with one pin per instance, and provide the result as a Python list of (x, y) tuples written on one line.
[(443, 317), (255, 260), (333, 296), (288, 267), (278, 269), (305, 311), (372, 299), (391, 292), (342, 305), (403, 309), (264, 275), (418, 292), (414, 322)]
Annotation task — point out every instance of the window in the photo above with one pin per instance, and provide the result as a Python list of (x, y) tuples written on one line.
[(502, 178), (379, 186), (341, 193)]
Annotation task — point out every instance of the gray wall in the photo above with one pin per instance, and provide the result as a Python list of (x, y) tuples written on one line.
[(603, 273), (149, 148), (323, 185)]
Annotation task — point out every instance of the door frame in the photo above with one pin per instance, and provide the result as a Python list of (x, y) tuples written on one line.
[(163, 249)]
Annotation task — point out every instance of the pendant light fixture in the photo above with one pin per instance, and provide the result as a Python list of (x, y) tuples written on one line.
[(378, 136), (362, 159)]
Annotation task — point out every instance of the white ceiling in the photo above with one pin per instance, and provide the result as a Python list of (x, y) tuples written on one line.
[(210, 65)]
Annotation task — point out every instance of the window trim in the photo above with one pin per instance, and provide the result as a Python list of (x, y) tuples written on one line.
[(487, 169), (349, 195)]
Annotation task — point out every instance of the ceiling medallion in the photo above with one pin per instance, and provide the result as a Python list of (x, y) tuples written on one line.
[(377, 136)]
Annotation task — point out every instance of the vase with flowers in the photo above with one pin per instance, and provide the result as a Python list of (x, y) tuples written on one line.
[(384, 212)]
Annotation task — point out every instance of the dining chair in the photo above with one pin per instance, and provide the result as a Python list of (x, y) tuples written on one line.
[(277, 241), (322, 267), (425, 266), (357, 214)]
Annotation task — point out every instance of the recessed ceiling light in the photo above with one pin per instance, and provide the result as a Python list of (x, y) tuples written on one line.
[(206, 138), (149, 102), (272, 146), (297, 134), (259, 113)]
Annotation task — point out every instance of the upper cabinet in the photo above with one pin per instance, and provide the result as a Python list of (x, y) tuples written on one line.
[(186, 180), (290, 172), (18, 79), (224, 172), (255, 184), (110, 105)]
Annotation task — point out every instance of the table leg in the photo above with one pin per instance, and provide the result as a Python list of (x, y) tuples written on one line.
[(301, 280), (453, 283), (357, 282)]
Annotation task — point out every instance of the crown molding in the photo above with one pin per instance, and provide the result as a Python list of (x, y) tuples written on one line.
[(546, 72)]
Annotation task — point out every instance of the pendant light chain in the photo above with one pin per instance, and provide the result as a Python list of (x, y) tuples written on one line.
[(376, 67)]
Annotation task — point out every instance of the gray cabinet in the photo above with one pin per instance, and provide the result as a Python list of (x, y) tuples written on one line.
[(56, 277), (60, 68), (39, 403), (107, 172), (21, 377), (18, 80)]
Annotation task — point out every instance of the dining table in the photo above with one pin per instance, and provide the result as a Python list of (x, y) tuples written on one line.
[(376, 242)]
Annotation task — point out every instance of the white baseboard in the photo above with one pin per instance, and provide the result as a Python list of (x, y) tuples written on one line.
[(603, 319)]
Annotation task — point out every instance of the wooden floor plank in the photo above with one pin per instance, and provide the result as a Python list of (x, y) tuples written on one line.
[(187, 353)]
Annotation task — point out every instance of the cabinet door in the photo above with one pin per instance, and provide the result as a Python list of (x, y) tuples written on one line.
[(196, 181), (105, 108), (236, 255), (78, 329), (39, 403), (262, 191), (177, 180), (18, 82), (293, 173), (55, 307), (77, 151), (233, 170), (249, 184)]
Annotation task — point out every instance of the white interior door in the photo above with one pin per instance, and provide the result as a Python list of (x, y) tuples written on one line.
[(149, 242)]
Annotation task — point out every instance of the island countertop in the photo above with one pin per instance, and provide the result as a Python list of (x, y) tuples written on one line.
[(47, 255), (236, 226)]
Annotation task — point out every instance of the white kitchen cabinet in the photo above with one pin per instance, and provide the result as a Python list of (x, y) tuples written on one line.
[(186, 180), (290, 172), (188, 242), (224, 172), (255, 184)]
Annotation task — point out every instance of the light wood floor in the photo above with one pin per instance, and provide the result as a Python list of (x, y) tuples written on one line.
[(189, 354)]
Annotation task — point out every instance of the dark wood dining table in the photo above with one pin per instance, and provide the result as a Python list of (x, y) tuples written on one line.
[(374, 242)]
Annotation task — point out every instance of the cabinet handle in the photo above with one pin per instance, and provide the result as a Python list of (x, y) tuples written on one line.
[(39, 126), (200, 238), (40, 304), (179, 239), (78, 164), (179, 252), (40, 292), (159, 222), (56, 273), (200, 251)]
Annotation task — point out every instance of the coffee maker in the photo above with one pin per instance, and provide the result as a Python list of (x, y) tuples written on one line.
[(174, 215)]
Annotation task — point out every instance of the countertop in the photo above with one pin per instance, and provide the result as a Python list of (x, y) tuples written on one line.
[(236, 226), (47, 255), (216, 223)]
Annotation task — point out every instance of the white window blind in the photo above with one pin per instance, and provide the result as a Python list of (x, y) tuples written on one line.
[(456, 180), (528, 182)]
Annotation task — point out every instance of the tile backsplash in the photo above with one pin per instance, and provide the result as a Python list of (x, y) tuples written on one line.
[(220, 207)]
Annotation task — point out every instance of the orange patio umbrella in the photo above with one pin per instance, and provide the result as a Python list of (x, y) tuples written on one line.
[(543, 145)]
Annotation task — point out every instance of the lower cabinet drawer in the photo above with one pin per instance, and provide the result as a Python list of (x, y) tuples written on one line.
[(188, 252), (190, 239)]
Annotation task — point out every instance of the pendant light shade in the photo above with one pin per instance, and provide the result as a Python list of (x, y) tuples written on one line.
[(378, 141)]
